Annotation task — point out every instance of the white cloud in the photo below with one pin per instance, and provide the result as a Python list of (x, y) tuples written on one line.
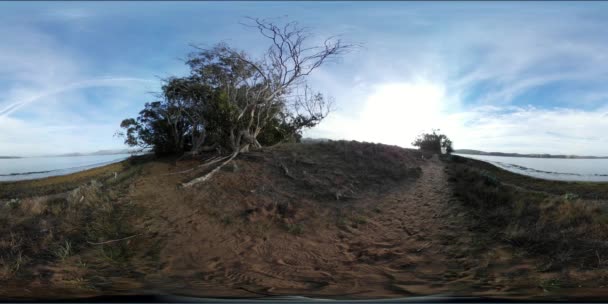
[(11, 107), (396, 113), (412, 76), (532, 130), (496, 55), (42, 83)]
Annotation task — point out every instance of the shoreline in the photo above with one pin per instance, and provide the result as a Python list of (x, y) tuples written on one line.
[(584, 189), (59, 183), (22, 170), (527, 171)]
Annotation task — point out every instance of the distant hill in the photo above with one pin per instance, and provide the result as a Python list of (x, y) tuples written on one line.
[(9, 157), (477, 152), (100, 152), (308, 140)]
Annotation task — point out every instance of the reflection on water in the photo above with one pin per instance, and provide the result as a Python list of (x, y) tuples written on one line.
[(39, 167), (551, 168)]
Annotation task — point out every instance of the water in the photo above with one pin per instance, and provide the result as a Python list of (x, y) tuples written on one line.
[(39, 167), (551, 168)]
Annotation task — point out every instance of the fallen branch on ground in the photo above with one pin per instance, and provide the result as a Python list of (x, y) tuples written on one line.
[(112, 241), (210, 174), (286, 171), (209, 162)]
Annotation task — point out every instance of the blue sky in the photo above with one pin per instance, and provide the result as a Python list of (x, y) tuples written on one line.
[(497, 76)]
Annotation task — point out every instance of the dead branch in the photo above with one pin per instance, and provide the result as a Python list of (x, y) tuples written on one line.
[(286, 171), (209, 162), (112, 241), (210, 174)]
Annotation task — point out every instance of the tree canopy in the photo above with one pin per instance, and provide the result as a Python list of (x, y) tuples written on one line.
[(231, 101), (433, 142)]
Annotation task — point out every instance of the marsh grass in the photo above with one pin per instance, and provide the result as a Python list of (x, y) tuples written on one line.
[(62, 251), (45, 230), (563, 228)]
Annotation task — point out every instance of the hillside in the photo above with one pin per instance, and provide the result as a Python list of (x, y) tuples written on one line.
[(332, 219)]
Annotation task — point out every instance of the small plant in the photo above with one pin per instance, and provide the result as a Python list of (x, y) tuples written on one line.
[(342, 222), (295, 229), (13, 203), (11, 265), (549, 285), (116, 252), (359, 220), (570, 196), (82, 264), (63, 251), (490, 179), (226, 220)]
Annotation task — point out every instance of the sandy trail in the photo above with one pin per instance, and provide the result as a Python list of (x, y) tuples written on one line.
[(412, 242)]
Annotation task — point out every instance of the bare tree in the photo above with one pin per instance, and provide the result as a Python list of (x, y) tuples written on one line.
[(257, 91)]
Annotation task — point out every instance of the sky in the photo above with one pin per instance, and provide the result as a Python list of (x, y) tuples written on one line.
[(527, 77)]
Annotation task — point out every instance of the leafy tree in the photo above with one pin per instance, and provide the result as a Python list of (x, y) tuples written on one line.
[(433, 142), (160, 126), (233, 101)]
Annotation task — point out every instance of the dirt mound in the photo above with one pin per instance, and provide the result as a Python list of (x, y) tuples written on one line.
[(340, 219), (341, 169), (292, 183)]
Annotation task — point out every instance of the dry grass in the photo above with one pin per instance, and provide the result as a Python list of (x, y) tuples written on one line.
[(585, 190), (59, 184), (564, 229), (339, 169), (47, 230)]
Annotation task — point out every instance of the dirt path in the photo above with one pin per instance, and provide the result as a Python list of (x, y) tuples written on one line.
[(411, 241)]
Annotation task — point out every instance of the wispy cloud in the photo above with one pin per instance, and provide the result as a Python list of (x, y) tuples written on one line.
[(486, 61), (42, 81), (510, 76), (101, 82)]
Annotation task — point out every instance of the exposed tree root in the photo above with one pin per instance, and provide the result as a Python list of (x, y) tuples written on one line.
[(210, 174)]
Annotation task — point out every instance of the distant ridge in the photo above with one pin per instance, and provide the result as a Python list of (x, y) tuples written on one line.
[(477, 152), (308, 140), (100, 152), (9, 157)]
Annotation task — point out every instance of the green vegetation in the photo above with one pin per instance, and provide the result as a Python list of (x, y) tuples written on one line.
[(63, 250), (295, 229), (433, 142), (231, 101)]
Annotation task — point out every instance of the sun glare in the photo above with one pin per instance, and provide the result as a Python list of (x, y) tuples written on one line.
[(395, 113)]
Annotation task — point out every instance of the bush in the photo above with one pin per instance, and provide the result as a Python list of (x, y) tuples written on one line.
[(433, 142)]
